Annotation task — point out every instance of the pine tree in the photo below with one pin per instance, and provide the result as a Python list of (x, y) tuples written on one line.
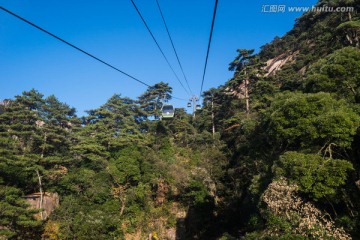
[(152, 100)]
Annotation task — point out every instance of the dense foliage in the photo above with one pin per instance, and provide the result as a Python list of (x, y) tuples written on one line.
[(290, 120), (273, 154)]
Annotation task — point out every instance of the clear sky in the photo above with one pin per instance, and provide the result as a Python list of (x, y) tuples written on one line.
[(112, 31)]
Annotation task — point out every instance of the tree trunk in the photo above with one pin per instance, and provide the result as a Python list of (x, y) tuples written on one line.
[(41, 194), (212, 118), (247, 97), (43, 148), (123, 204), (155, 115)]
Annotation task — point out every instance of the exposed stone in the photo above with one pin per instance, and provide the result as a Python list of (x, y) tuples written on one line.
[(275, 64), (358, 183), (50, 202), (162, 188)]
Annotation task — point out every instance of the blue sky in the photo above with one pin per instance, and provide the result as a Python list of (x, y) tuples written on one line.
[(112, 31)]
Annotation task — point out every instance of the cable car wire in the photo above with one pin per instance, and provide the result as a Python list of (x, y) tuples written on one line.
[(73, 46), (208, 48), (157, 44), (173, 46), (182, 99)]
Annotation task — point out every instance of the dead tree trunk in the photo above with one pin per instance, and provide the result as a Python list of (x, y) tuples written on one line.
[(41, 194), (212, 118), (247, 100)]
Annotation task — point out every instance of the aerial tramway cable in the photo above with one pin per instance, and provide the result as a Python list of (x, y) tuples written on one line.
[(172, 44), (208, 48), (79, 49), (157, 44), (73, 46)]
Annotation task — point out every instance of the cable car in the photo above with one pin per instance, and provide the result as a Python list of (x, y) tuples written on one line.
[(167, 111), (198, 107), (189, 104)]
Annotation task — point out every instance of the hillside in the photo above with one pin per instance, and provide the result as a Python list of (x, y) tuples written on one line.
[(273, 154), (291, 125)]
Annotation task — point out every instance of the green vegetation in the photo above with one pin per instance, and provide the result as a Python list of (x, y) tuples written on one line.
[(273, 154)]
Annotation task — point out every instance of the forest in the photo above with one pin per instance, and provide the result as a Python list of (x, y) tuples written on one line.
[(274, 152)]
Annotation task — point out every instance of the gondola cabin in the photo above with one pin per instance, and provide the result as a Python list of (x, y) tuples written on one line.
[(167, 111), (198, 107)]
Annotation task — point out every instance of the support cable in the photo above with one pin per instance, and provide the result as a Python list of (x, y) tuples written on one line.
[(73, 46), (173, 46), (208, 49), (157, 44)]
